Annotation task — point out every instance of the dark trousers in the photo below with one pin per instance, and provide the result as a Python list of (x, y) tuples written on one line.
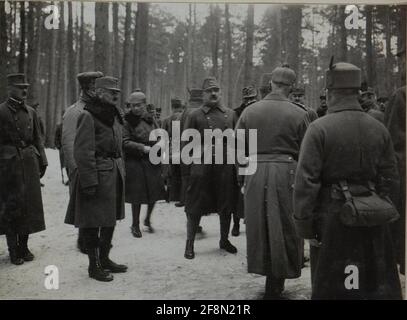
[(15, 240), (194, 220), (97, 237)]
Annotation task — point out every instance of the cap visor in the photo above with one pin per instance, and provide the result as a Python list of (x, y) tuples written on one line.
[(211, 87), (114, 89)]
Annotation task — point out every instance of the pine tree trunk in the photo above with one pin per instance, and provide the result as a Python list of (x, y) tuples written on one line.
[(71, 58), (60, 91), (126, 61), (248, 64), (3, 52), (229, 80), (134, 81), (294, 36), (101, 37), (81, 40), (21, 56), (369, 48), (143, 45), (343, 46), (116, 41)]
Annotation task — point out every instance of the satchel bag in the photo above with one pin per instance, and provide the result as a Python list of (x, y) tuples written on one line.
[(366, 209)]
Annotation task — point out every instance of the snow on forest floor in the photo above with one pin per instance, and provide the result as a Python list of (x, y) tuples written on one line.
[(157, 267)]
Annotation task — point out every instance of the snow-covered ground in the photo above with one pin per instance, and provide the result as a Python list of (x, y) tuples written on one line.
[(157, 267)]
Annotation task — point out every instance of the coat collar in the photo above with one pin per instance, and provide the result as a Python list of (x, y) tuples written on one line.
[(15, 105), (275, 96), (206, 108), (343, 104)]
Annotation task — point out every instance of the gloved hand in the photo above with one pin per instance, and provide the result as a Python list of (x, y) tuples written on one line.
[(42, 171), (89, 191)]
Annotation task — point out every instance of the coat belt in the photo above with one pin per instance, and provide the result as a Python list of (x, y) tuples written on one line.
[(272, 157)]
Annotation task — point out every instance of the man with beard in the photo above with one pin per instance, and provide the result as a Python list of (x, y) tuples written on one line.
[(97, 198), (211, 186), (273, 247), (343, 155), (69, 124), (22, 164), (395, 121)]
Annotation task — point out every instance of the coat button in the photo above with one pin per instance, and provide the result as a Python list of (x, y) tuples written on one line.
[(226, 115), (292, 171), (290, 158), (207, 118)]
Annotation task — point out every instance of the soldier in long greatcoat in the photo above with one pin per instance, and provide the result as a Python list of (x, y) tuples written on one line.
[(273, 247), (395, 121), (22, 164), (345, 145), (97, 197), (212, 187)]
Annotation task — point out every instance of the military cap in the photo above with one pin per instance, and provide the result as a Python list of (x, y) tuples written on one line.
[(195, 94), (210, 83), (249, 92), (342, 75), (283, 75), (85, 78), (382, 99), (298, 90), (322, 95), (109, 83), (150, 107), (136, 97), (17, 80), (176, 103)]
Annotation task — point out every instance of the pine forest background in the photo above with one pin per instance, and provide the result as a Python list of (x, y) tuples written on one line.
[(147, 46)]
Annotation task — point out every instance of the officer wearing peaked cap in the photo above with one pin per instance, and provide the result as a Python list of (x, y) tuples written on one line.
[(69, 121), (22, 164), (273, 247), (345, 150), (97, 197), (212, 187)]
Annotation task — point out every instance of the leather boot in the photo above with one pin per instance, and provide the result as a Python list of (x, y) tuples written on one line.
[(95, 269), (108, 264), (236, 230), (23, 251), (12, 243), (189, 250), (227, 246)]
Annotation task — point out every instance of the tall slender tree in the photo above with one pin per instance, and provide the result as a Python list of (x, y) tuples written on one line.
[(81, 40), (370, 65), (116, 41), (248, 63), (101, 48), (21, 54), (228, 36), (71, 57), (143, 43), (126, 61), (3, 51), (60, 85)]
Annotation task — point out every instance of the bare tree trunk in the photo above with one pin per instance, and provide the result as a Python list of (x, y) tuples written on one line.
[(194, 74), (143, 43), (21, 56), (343, 47), (81, 40), (248, 63), (215, 21), (134, 81), (371, 81), (3, 52), (389, 61), (50, 109), (294, 35), (126, 61), (116, 41), (101, 36), (71, 58), (60, 93), (228, 35)]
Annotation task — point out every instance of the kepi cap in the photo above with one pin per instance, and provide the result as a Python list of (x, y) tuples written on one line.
[(342, 75), (176, 103), (210, 83), (85, 78), (17, 80), (136, 97), (109, 83)]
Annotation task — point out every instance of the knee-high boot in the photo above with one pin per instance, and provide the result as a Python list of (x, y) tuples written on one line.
[(106, 235), (12, 243), (95, 269), (23, 250)]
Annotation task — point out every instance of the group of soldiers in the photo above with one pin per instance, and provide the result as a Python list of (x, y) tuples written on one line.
[(303, 157)]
